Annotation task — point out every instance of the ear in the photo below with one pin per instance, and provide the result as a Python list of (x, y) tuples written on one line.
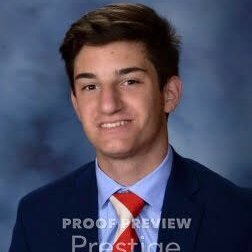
[(172, 93), (75, 104)]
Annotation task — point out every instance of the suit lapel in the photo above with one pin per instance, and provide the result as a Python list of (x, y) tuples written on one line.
[(178, 204), (86, 202)]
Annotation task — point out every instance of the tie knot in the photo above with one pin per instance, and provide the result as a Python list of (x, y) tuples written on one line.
[(129, 200)]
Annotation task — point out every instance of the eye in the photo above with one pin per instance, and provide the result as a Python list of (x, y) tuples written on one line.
[(131, 82), (89, 87)]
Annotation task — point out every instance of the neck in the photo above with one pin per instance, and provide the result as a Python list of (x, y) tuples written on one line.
[(129, 170)]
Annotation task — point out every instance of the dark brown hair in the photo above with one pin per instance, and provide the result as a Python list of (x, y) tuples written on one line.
[(125, 22)]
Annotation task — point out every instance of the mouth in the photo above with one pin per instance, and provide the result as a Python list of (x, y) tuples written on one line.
[(115, 124)]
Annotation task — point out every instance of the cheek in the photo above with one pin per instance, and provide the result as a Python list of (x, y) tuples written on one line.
[(153, 104), (87, 113)]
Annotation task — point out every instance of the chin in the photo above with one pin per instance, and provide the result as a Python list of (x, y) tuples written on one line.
[(118, 153)]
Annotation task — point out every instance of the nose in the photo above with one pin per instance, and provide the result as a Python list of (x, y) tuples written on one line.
[(110, 100)]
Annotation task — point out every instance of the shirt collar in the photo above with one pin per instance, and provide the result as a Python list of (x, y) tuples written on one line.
[(106, 185), (151, 188)]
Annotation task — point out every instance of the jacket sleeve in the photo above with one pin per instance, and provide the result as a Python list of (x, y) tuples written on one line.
[(19, 242)]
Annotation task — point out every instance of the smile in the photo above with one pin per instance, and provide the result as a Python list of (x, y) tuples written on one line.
[(114, 124)]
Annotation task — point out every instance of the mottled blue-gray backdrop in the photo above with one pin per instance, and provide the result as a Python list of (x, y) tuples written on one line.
[(40, 138)]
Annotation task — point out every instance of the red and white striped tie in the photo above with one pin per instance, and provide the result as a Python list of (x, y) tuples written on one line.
[(127, 205)]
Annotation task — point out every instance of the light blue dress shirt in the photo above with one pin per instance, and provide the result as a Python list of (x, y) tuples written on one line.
[(151, 189)]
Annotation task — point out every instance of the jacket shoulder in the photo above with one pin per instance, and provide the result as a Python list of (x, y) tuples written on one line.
[(59, 189), (217, 191)]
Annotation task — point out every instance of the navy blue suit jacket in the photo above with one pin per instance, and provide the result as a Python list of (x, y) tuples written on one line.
[(220, 212)]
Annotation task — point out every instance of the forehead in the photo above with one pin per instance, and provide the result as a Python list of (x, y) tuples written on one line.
[(114, 54)]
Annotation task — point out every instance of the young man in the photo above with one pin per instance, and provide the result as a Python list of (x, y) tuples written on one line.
[(122, 62)]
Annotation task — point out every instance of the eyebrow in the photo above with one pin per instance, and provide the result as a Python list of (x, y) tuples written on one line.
[(85, 75), (119, 72), (128, 70)]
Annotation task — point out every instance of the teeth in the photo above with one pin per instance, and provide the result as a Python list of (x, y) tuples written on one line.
[(113, 125)]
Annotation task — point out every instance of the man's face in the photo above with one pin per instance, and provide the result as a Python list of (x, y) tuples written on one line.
[(118, 99)]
